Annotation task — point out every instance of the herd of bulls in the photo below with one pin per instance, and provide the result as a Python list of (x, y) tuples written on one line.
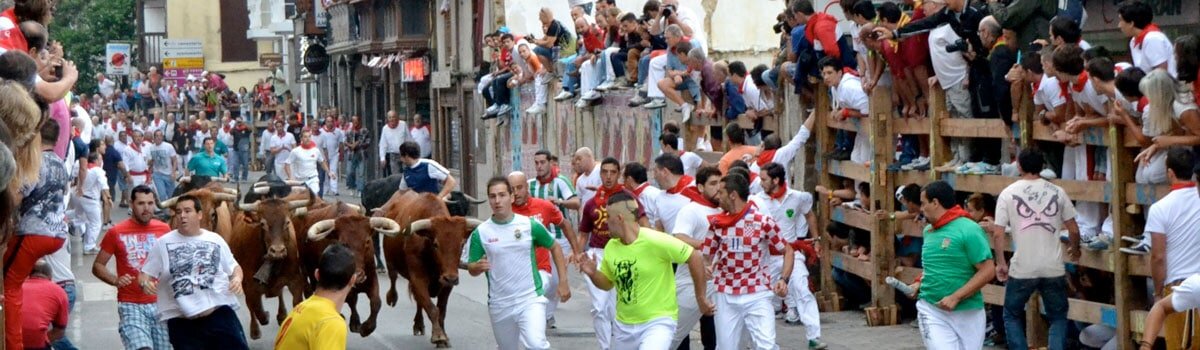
[(423, 237)]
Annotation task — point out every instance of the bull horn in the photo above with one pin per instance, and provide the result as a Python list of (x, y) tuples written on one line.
[(320, 230), (225, 197), (387, 227), (473, 200), (449, 201), (356, 208), (301, 188), (423, 224), (301, 211), (183, 179), (170, 202), (250, 207), (262, 190), (299, 203), (261, 184), (472, 223), (295, 183), (232, 191)]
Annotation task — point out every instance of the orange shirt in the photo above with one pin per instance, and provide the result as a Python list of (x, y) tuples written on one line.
[(735, 154)]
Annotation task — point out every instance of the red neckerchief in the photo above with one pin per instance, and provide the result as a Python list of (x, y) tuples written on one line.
[(725, 220), (280, 132), (1036, 86), (390, 126), (553, 174), (135, 146), (75, 133), (92, 165), (602, 193), (1183, 185), (681, 185), (805, 247), (113, 124), (850, 71), (950, 215), (241, 127), (637, 192), (328, 128), (779, 193), (693, 193), (1143, 102), (1080, 83), (226, 128), (766, 157), (1137, 41), (308, 145), (742, 88), (1062, 87)]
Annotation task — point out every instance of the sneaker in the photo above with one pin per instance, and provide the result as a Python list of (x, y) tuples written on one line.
[(1132, 239), (490, 112), (1064, 237), (563, 96), (1137, 249), (504, 110), (1133, 209), (842, 155), (638, 101), (950, 166), (1048, 174), (919, 162), (1010, 170), (792, 317), (582, 103), (655, 104), (608, 85), (686, 109), (1098, 243), (536, 109), (817, 344), (981, 168), (591, 95), (550, 323)]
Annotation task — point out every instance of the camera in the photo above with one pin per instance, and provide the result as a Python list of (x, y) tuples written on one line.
[(958, 45), (668, 10), (1035, 47), (780, 27)]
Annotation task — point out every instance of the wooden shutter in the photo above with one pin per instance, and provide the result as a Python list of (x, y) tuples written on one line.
[(235, 20)]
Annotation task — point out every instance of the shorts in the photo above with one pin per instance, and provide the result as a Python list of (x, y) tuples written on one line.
[(139, 328)]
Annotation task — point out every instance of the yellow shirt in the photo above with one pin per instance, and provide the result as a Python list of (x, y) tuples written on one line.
[(314, 324)]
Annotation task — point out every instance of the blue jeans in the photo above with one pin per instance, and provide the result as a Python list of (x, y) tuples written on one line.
[(239, 164), (618, 63), (570, 77), (322, 177), (843, 141), (64, 343), (164, 184), (354, 174), (1054, 300), (643, 68)]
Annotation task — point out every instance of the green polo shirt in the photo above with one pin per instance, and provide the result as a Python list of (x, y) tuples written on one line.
[(949, 255), (203, 164)]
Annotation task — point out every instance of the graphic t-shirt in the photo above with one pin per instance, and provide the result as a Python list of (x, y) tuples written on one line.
[(313, 325), (43, 211), (949, 255), (544, 212), (643, 275), (163, 155), (513, 279), (594, 220), (1034, 211), (193, 274), (130, 244)]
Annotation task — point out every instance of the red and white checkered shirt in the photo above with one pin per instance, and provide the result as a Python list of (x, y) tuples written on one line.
[(738, 253)]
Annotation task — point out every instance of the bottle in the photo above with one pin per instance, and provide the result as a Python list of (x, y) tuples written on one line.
[(899, 285)]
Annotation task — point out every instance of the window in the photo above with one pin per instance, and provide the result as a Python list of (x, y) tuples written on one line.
[(414, 20), (235, 20)]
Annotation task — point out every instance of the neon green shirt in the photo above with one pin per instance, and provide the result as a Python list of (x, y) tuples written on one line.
[(949, 255), (643, 276)]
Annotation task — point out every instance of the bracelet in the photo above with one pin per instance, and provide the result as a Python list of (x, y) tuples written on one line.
[(845, 113), (892, 216)]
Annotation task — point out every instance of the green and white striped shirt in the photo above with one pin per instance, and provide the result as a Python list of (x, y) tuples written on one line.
[(560, 188)]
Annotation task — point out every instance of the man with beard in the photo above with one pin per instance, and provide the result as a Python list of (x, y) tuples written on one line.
[(691, 226), (130, 242)]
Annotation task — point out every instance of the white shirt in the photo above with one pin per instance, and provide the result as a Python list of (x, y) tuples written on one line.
[(163, 156), (421, 136), (1187, 295), (86, 129), (849, 94), (691, 163), (1155, 50), (513, 279), (784, 155), (693, 222), (1049, 94), (285, 143), (1177, 215), (330, 141), (95, 183), (752, 96), (649, 195), (193, 274), (950, 67), (225, 137), (1088, 97), (135, 160), (789, 212), (107, 87), (391, 138), (154, 125), (590, 179), (304, 162), (1034, 211), (264, 142), (668, 206)]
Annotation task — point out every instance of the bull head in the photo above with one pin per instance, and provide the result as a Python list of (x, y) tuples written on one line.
[(323, 228), (425, 224), (278, 236), (223, 196), (447, 236)]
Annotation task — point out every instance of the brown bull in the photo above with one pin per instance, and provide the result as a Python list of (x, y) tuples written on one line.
[(427, 255), (346, 224), (215, 214), (264, 243)]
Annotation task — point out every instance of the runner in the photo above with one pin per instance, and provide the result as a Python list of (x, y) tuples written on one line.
[(305, 163), (516, 306), (691, 226), (549, 216), (639, 266), (315, 324), (593, 222), (556, 188), (207, 163), (130, 242)]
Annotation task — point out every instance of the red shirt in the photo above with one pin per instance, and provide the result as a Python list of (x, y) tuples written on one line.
[(896, 62), (44, 304), (594, 221), (546, 213), (738, 252), (130, 243), (593, 39), (11, 38)]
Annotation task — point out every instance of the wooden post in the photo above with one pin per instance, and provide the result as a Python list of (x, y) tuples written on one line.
[(1122, 173), (939, 150), (824, 143), (879, 126), (1036, 329)]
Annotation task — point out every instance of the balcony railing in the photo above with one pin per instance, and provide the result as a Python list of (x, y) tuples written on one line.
[(150, 49)]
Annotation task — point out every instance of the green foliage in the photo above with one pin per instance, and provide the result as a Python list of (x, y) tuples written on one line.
[(85, 26)]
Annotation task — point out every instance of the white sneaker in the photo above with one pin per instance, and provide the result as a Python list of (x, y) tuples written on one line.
[(536, 109), (582, 103), (792, 316), (918, 163), (687, 109), (655, 104), (563, 96), (608, 85), (591, 95)]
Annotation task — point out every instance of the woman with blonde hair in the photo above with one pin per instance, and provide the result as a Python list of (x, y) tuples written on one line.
[(21, 114), (1159, 89)]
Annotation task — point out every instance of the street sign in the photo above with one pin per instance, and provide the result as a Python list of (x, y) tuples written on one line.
[(191, 62), (182, 57), (269, 59), (315, 59), (182, 48), (116, 59)]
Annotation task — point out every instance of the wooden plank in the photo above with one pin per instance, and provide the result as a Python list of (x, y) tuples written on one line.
[(912, 177), (854, 218), (1087, 191), (883, 252), (848, 169), (911, 228), (939, 146), (824, 142), (1143, 194), (974, 128), (911, 126), (993, 294), (850, 124), (1092, 312), (991, 184), (845, 262), (1096, 136)]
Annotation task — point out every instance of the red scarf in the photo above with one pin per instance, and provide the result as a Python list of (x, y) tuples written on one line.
[(637, 192), (1183, 185), (1080, 83), (602, 194), (308, 145), (683, 187), (766, 157), (950, 215), (1143, 102), (549, 179), (725, 220), (779, 193), (1062, 88), (850, 71), (226, 128), (805, 247), (1036, 85), (1137, 41)]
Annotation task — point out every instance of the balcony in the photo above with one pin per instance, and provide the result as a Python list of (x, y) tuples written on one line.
[(150, 50)]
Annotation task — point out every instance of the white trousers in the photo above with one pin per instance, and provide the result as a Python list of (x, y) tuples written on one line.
[(604, 305), (279, 168), (748, 313), (653, 335), (658, 70), (689, 312), (950, 330), (550, 286), (92, 221), (589, 72), (521, 326), (484, 82), (608, 67), (313, 183), (539, 88), (331, 182), (139, 180), (799, 298)]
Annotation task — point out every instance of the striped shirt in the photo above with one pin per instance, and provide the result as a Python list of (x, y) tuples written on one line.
[(560, 188)]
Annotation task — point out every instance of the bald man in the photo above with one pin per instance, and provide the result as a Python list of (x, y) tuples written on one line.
[(548, 214), (584, 164)]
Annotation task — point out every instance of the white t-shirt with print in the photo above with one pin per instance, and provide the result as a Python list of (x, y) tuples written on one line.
[(193, 273), (513, 279), (1034, 210), (1177, 215)]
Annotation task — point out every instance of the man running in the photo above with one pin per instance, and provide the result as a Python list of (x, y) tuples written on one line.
[(516, 297), (306, 163), (549, 216), (130, 241), (738, 247), (315, 324), (638, 263), (207, 163), (200, 281), (556, 188), (691, 226)]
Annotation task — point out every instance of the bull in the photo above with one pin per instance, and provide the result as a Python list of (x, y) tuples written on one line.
[(377, 192), (263, 240), (345, 223), (426, 254)]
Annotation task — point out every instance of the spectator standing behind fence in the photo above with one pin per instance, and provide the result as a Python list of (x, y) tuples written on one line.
[(1035, 211), (1175, 249), (1148, 46)]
